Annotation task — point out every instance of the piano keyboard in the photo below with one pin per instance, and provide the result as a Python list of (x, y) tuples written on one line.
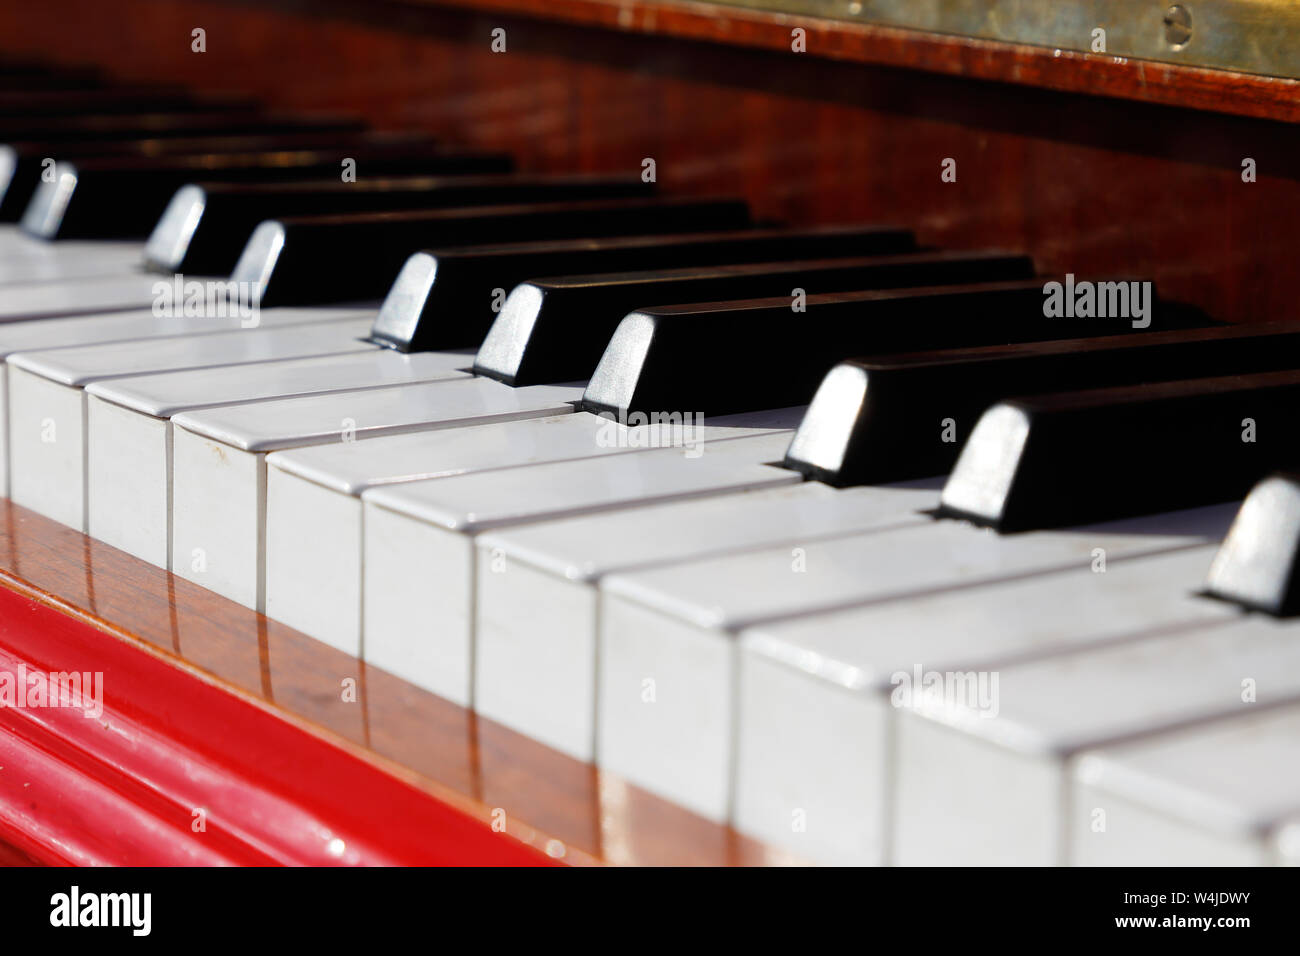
[(816, 532)]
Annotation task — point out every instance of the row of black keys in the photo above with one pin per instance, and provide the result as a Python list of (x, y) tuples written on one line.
[(1158, 427)]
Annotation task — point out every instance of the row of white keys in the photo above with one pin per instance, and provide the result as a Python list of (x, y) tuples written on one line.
[(420, 564), (43, 334), (314, 513), (677, 625), (129, 431), (1013, 805), (1225, 793), (535, 621), (219, 481), (47, 399), (816, 711)]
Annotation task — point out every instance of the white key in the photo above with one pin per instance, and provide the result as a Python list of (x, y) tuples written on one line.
[(1218, 794), (15, 243), (219, 485), (47, 401), (41, 334), (39, 300), (676, 625), (1286, 843), (420, 564), (306, 545), (814, 716), (60, 262), (1015, 767), (535, 619), (129, 436)]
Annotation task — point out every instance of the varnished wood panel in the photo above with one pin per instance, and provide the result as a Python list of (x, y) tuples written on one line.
[(1114, 183), (1245, 94)]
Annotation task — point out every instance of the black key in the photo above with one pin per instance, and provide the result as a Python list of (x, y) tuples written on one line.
[(277, 156), (123, 199), (1078, 457), (444, 299), (205, 225), (21, 77), (167, 125), (555, 330), (724, 357), (891, 418), (198, 145), (47, 104), (1258, 564), (314, 259), (31, 143)]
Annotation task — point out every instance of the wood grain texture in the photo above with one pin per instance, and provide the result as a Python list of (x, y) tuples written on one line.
[(1115, 183), (1146, 81), (564, 808)]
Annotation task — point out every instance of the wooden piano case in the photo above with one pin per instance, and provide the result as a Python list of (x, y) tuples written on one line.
[(227, 738)]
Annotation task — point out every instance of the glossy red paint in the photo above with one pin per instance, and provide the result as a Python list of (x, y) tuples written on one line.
[(177, 770)]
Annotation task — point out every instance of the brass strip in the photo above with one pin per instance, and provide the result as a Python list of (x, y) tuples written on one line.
[(1251, 36)]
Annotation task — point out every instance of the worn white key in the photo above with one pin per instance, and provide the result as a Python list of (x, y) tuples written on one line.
[(676, 625), (306, 544), (11, 234), (420, 565), (814, 697), (1218, 794), (1286, 843), (72, 331), (57, 262), (1015, 766), (129, 432), (132, 324), (219, 484), (39, 300), (535, 617), (47, 399), (14, 242)]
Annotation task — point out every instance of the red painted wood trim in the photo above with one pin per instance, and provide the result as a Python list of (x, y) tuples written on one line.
[(123, 788), (11, 856)]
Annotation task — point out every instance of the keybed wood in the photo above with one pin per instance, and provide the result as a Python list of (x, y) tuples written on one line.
[(551, 802)]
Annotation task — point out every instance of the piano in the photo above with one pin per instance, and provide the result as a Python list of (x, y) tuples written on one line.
[(646, 432)]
